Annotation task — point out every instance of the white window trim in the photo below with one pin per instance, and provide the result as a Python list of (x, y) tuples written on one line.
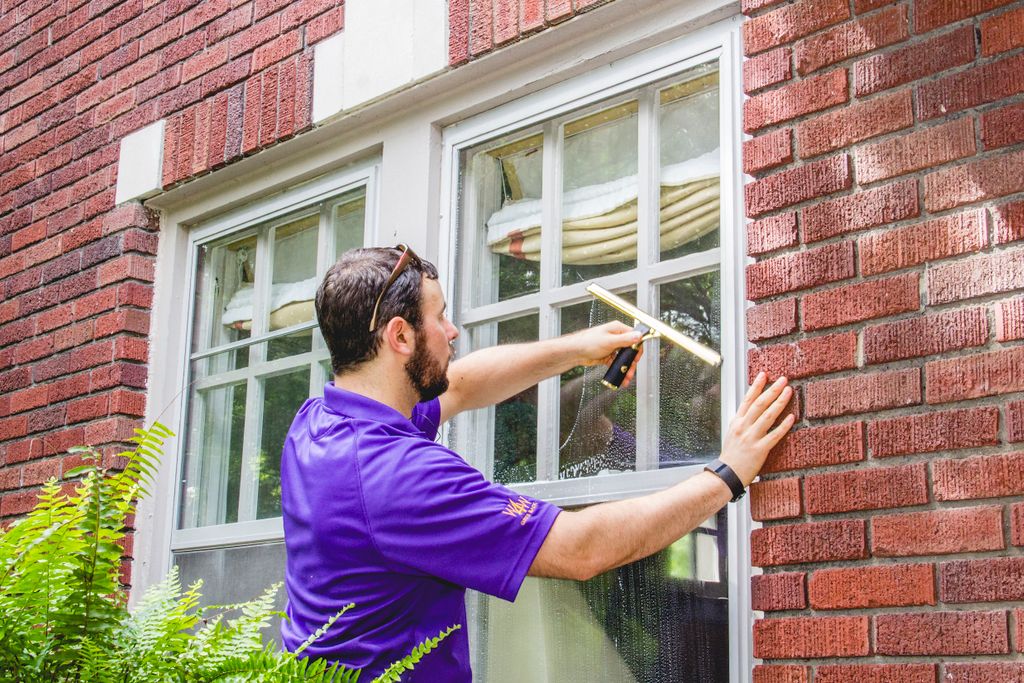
[(722, 40), (160, 511)]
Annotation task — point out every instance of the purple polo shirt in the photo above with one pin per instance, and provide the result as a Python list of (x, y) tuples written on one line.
[(377, 513)]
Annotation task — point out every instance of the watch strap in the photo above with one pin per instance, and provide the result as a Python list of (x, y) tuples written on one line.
[(726, 474)]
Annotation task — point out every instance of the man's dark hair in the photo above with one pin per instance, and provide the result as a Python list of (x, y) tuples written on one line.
[(345, 299)]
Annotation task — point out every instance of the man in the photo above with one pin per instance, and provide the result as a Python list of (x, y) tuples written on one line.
[(377, 513)]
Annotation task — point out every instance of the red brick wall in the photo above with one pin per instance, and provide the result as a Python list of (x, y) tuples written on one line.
[(888, 207), (76, 273), (476, 27)]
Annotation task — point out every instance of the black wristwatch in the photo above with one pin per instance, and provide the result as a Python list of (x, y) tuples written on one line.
[(726, 474)]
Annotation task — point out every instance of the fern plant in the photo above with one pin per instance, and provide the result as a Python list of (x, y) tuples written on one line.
[(64, 616)]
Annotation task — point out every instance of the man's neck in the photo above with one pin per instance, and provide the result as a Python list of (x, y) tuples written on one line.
[(389, 386)]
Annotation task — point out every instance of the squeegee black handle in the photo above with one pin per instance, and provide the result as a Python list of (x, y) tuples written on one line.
[(620, 366)]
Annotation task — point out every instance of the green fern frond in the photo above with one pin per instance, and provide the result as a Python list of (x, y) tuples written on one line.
[(319, 633), (394, 672)]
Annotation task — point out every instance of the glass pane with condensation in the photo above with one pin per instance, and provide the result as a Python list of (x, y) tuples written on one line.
[(503, 208), (213, 456), (282, 396), (597, 425), (599, 193), (688, 215), (690, 392), (293, 276), (225, 284), (663, 619)]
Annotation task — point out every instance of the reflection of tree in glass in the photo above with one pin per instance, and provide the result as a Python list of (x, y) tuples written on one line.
[(283, 395)]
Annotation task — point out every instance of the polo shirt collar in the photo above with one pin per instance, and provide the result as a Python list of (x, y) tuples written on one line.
[(351, 404)]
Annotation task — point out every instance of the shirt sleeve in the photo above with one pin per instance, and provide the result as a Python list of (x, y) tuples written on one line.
[(426, 417), (434, 513)]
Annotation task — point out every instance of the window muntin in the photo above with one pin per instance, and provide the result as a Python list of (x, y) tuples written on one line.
[(641, 167), (257, 355)]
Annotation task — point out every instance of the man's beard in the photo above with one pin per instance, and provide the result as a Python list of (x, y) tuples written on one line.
[(426, 374)]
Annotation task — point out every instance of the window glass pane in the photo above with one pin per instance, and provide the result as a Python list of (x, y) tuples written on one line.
[(599, 194), (235, 359), (282, 396), (504, 209), (227, 273), (290, 344), (663, 619), (349, 219), (597, 432), (213, 456), (294, 282), (234, 575), (514, 437), (689, 127), (690, 392)]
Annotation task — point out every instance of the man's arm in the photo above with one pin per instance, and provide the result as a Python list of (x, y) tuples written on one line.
[(491, 375), (581, 545)]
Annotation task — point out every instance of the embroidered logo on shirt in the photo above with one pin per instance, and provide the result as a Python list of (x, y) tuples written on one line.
[(523, 508)]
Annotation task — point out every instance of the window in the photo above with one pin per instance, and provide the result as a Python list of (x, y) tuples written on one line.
[(255, 356), (622, 179)]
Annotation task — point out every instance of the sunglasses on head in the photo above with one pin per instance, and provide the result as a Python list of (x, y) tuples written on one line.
[(408, 255)]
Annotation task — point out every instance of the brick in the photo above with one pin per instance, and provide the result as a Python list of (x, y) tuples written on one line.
[(557, 10), (803, 270), (985, 374), (930, 241), (278, 49), (1009, 222), (768, 151), (1014, 420), (36, 473), (941, 633), (128, 403), (984, 672), (893, 585), (793, 638), (813, 542), (926, 335), (782, 591), (481, 26), (771, 233), (46, 419), (1002, 127), (851, 39), (883, 71), (930, 432), (785, 673), (814, 446), (788, 23), (984, 476), (796, 99), (531, 15), (863, 393), (1002, 32), (915, 151), (938, 532), (807, 357), (986, 83), (861, 301), (860, 210), (1019, 637), (876, 673), (27, 399), (70, 387), (771, 319), (976, 276), (998, 579), (768, 68), (326, 25), (1017, 538), (930, 14), (775, 499), (751, 6), (18, 503), (868, 489)]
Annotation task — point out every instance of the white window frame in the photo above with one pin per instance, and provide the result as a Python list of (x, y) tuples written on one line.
[(721, 40), (258, 213)]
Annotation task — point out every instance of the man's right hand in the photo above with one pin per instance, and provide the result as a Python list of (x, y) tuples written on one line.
[(750, 436)]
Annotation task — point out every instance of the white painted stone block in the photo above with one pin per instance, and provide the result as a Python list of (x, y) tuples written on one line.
[(391, 43), (328, 63), (140, 163)]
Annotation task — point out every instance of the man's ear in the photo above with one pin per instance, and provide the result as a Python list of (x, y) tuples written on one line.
[(399, 336)]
